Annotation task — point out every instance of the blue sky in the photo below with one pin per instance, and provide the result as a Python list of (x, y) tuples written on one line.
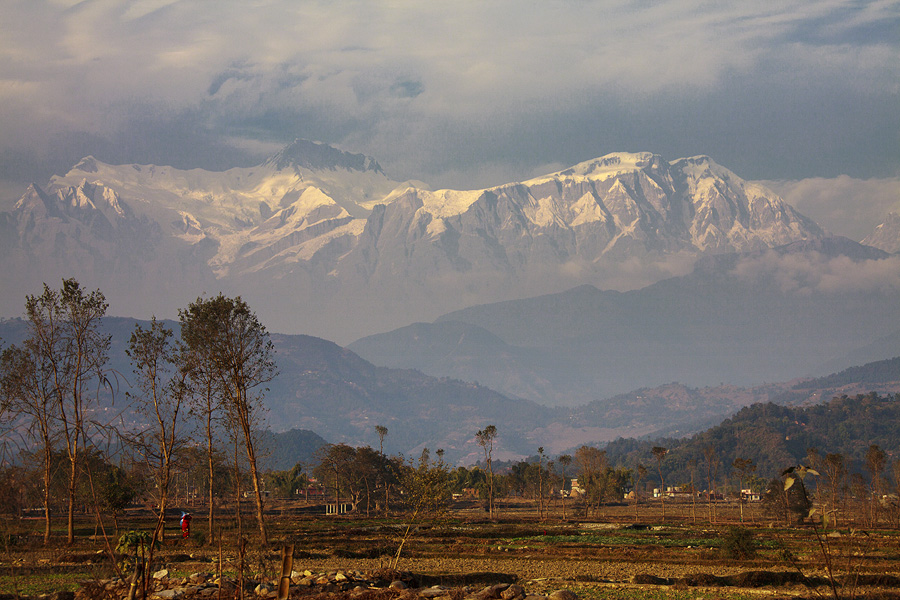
[(465, 94)]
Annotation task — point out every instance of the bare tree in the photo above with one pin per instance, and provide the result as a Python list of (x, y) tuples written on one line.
[(712, 467), (65, 338), (225, 335), (591, 464), (26, 382), (485, 439), (207, 406), (541, 482), (161, 399), (382, 432), (836, 474), (742, 466), (639, 475), (659, 453), (875, 462), (565, 460)]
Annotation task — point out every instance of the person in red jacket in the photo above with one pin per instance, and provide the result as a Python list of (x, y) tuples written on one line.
[(185, 525)]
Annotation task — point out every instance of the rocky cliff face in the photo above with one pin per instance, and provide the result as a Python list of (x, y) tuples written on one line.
[(321, 241), (887, 235)]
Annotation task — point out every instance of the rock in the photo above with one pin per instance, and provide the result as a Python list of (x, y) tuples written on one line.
[(168, 594), (398, 585), (199, 577), (264, 589), (433, 592), (515, 592), (563, 595), (161, 574)]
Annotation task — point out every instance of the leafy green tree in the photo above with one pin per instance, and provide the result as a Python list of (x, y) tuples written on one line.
[(226, 336), (285, 484)]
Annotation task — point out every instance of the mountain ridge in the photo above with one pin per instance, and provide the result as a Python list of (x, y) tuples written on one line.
[(330, 236)]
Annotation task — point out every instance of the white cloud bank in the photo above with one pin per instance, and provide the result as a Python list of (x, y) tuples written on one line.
[(435, 91), (843, 205)]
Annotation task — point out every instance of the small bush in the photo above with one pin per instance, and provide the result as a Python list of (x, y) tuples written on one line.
[(739, 544)]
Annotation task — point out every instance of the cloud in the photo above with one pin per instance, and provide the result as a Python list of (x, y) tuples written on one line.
[(434, 90), (843, 205), (815, 273)]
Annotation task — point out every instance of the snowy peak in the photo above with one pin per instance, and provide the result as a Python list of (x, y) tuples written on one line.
[(886, 236), (317, 157), (613, 164), (317, 231)]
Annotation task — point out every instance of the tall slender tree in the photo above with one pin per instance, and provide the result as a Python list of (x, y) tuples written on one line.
[(743, 466), (225, 335), (565, 460), (712, 467), (485, 438), (161, 397), (659, 453), (207, 406), (65, 337), (382, 432), (26, 385)]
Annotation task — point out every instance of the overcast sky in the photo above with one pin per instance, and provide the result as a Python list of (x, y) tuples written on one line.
[(462, 94)]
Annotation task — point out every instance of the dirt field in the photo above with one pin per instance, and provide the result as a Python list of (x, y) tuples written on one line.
[(611, 554)]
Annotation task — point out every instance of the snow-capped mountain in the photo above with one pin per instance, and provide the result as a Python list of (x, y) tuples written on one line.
[(887, 235), (321, 241)]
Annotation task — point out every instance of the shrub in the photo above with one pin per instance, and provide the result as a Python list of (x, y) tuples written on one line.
[(739, 543)]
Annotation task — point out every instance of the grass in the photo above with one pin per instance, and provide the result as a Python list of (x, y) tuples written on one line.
[(624, 593), (31, 585)]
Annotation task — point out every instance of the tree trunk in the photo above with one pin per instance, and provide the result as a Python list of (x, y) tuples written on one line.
[(209, 455), (259, 503), (48, 476), (70, 524)]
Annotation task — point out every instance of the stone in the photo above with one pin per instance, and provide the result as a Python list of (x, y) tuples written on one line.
[(515, 592), (433, 592), (398, 585), (170, 594), (563, 595), (264, 589), (161, 574)]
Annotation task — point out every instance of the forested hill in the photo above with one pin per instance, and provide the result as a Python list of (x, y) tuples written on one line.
[(775, 437), (881, 371)]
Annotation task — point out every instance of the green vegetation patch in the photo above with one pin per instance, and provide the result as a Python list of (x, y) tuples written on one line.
[(611, 593), (32, 585)]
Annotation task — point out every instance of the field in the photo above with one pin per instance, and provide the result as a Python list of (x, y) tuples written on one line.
[(617, 552)]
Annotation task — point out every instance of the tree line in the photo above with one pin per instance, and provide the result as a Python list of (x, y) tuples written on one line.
[(57, 394), (199, 394)]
